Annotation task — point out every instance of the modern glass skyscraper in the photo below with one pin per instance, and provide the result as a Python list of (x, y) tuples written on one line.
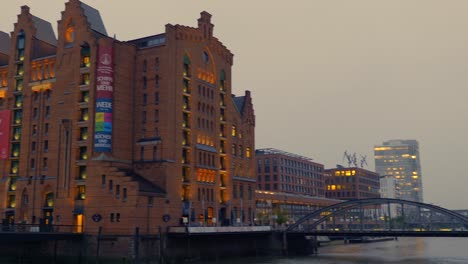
[(400, 159)]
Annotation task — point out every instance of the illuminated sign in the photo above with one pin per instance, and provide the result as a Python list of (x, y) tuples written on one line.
[(104, 93), (4, 133)]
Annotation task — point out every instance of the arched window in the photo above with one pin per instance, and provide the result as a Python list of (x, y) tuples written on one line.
[(20, 45), (186, 71), (222, 81)]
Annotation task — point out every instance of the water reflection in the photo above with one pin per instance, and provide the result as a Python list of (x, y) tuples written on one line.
[(403, 251)]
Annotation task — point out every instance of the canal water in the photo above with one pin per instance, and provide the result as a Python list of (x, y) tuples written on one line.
[(404, 250)]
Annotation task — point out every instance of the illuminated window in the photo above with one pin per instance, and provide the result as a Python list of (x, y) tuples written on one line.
[(83, 133), (85, 79), (234, 131), (186, 69), (85, 56), (82, 173), (17, 133), (247, 152), (83, 153), (70, 34), (19, 85), (85, 96), (84, 115), (19, 101), (20, 69), (81, 192), (20, 45)]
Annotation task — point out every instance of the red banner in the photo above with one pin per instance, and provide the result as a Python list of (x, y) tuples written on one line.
[(4, 133)]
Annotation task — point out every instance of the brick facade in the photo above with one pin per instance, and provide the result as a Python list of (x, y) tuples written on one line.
[(179, 140)]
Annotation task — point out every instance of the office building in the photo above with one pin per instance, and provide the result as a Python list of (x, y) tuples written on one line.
[(400, 159), (351, 183)]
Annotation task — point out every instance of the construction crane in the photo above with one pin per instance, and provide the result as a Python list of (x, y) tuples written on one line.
[(363, 160), (351, 158)]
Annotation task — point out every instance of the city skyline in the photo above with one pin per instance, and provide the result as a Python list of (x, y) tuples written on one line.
[(324, 75)]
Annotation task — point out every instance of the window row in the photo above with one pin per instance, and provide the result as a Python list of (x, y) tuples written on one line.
[(238, 191)]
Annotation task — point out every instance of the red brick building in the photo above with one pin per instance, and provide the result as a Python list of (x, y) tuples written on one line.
[(351, 183), (279, 170), (121, 134)]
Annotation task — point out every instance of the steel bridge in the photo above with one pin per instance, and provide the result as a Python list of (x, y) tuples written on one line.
[(377, 217)]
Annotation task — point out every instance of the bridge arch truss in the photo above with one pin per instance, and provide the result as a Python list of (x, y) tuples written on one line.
[(313, 220)]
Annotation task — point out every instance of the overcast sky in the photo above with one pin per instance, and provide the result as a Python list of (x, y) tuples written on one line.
[(329, 76)]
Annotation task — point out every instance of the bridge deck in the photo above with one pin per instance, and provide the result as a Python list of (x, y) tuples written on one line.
[(396, 233)]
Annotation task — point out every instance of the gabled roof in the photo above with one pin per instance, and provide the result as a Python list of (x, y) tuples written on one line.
[(94, 19), (45, 31), (239, 102), (4, 43)]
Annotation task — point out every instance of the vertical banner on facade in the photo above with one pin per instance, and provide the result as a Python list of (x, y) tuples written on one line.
[(4, 133), (104, 92)]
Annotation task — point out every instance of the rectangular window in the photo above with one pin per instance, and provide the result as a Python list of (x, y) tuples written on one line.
[(47, 111), (156, 98), (124, 195), (234, 191), (85, 79), (111, 186), (46, 145), (155, 153), (144, 116), (83, 153), (82, 172), (145, 99), (85, 96), (156, 115)]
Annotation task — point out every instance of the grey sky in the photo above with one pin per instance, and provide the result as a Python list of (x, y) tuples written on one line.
[(329, 76)]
